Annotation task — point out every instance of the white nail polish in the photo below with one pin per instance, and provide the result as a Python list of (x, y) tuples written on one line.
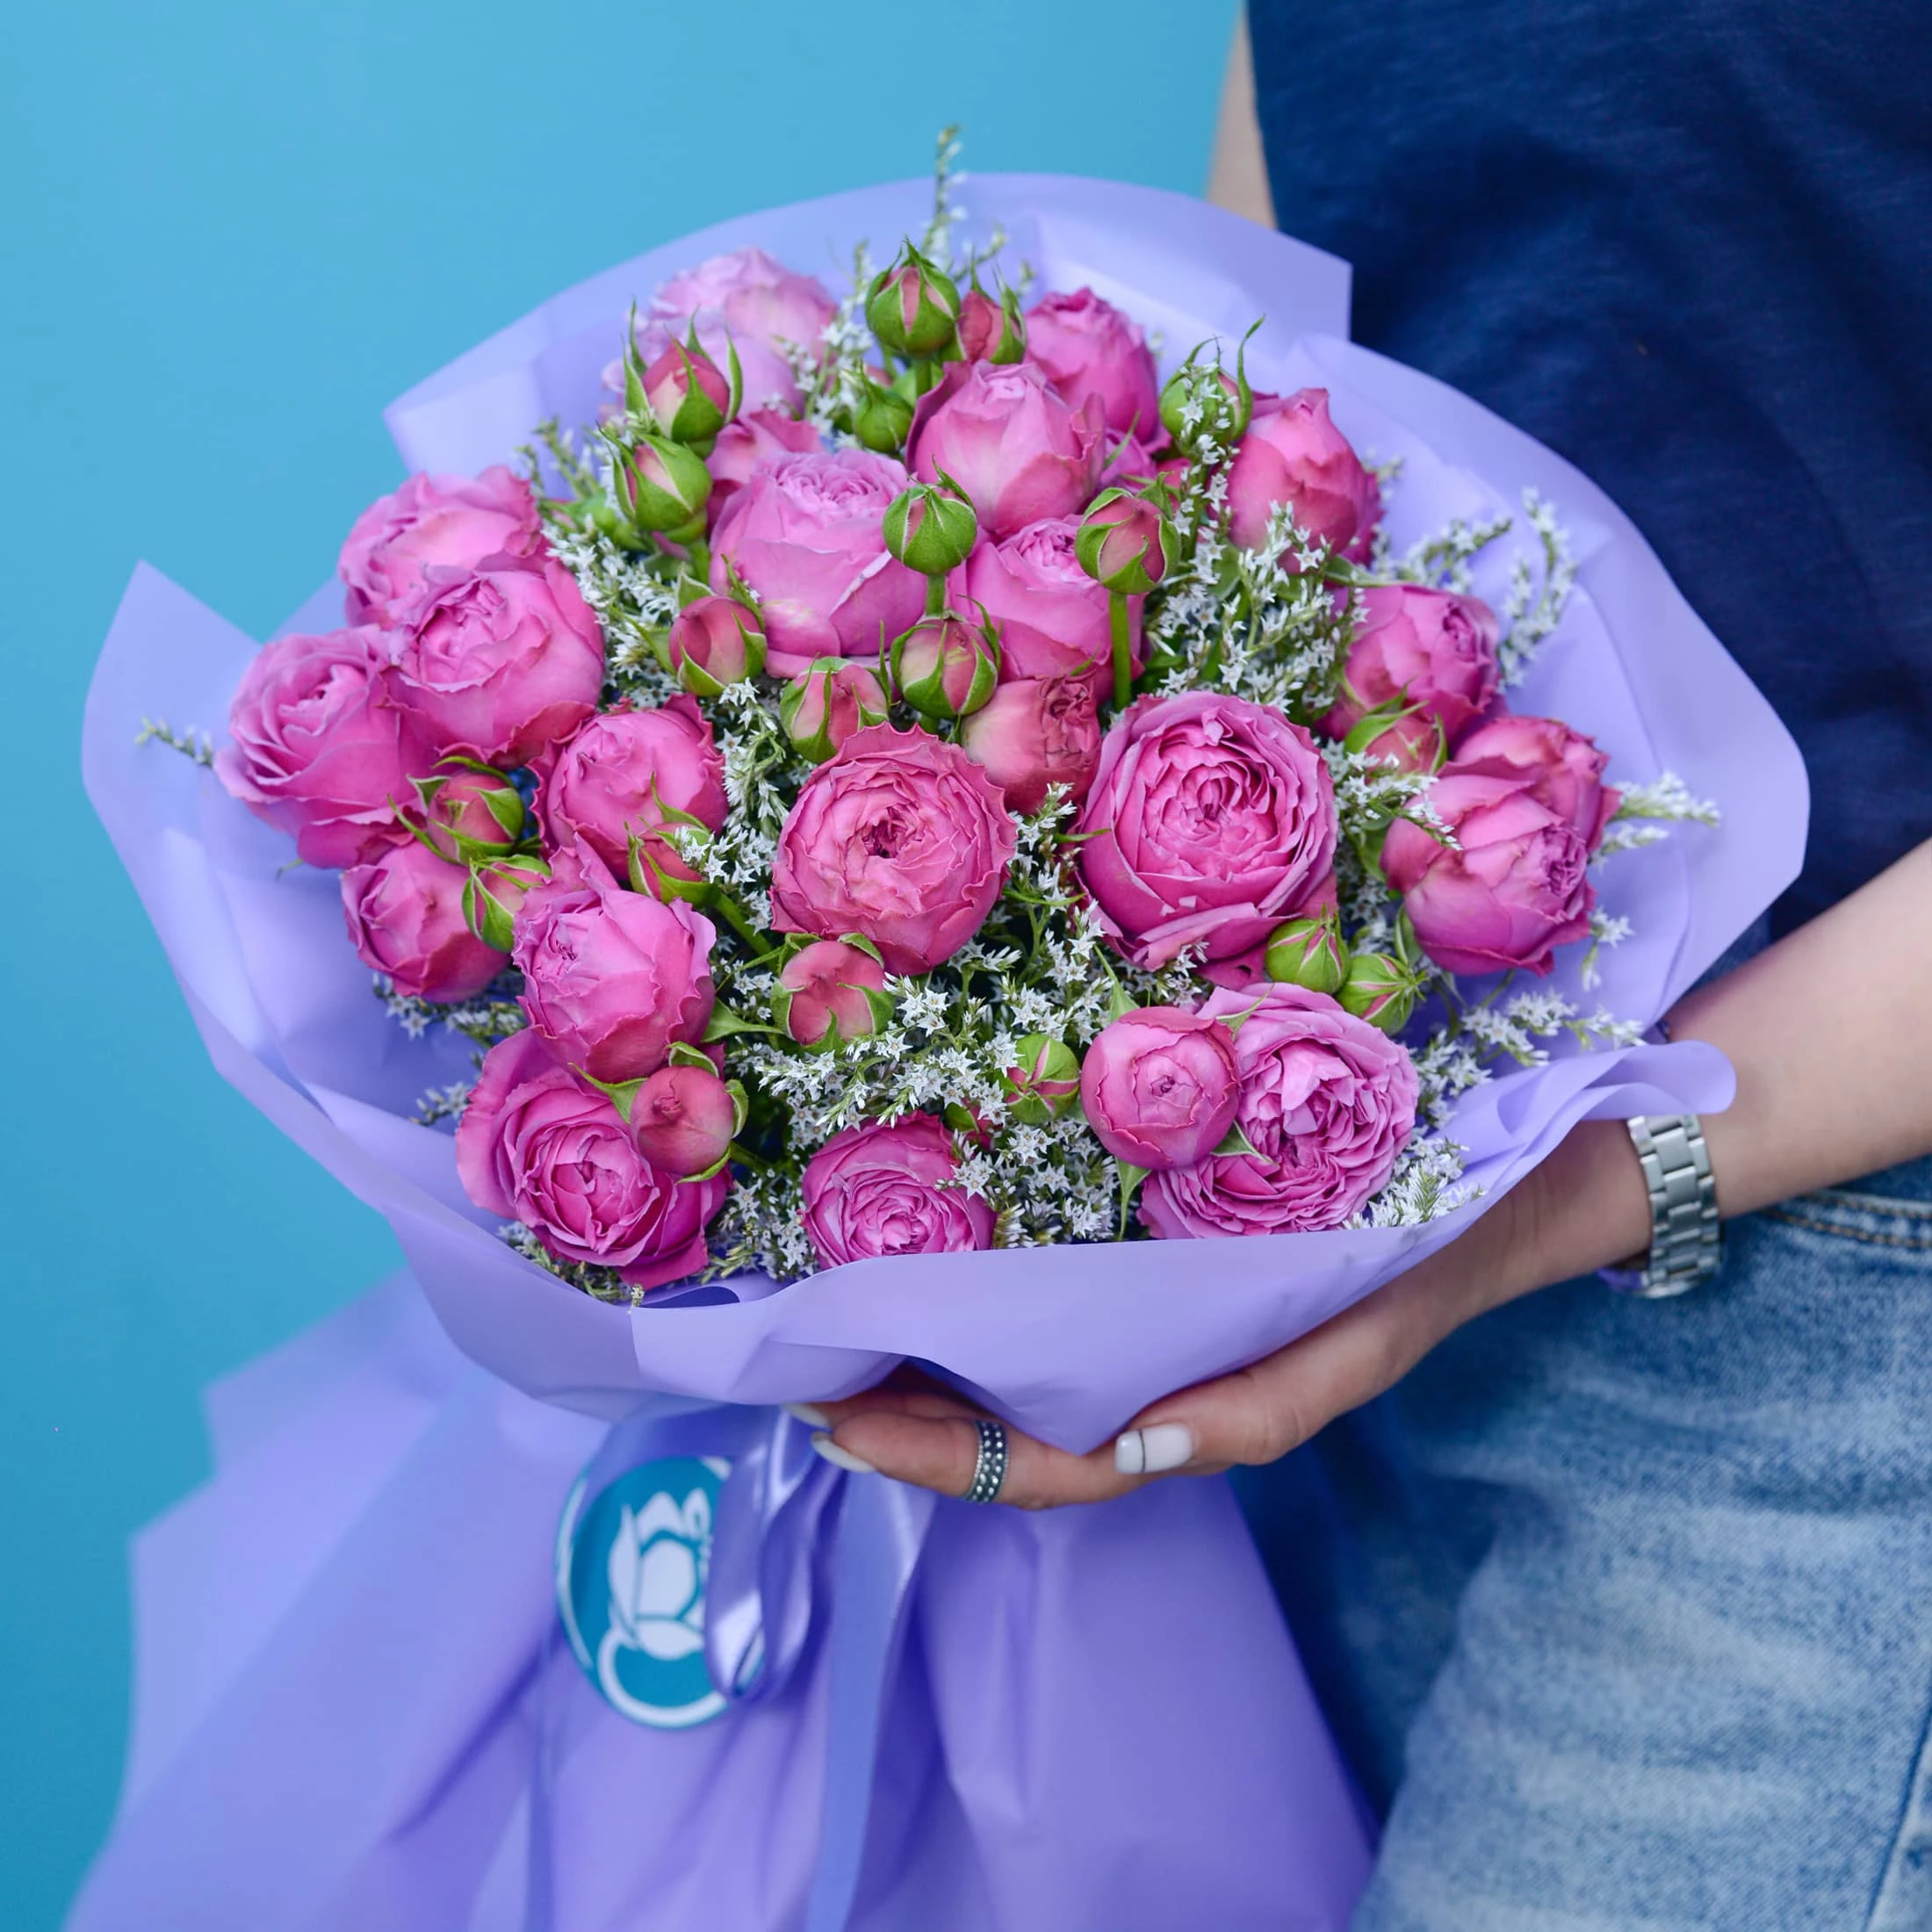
[(840, 1459), (1152, 1451), (808, 1413)]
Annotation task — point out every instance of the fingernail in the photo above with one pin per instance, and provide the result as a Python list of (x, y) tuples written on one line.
[(1149, 1452), (808, 1412), (840, 1459)]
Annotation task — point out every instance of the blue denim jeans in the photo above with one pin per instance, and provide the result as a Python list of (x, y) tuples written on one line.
[(1622, 1609)]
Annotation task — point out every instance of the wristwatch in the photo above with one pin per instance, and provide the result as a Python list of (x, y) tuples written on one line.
[(1683, 1209)]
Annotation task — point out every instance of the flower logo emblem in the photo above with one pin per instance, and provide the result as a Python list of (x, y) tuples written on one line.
[(631, 1566)]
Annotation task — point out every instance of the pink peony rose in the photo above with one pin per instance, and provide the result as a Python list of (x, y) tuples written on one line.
[(1516, 889), (404, 909), (1011, 442), (682, 1120), (1158, 1087), (1033, 733), (535, 1145), (433, 523), (1088, 348), (320, 749), (611, 977), (622, 773), (887, 1188), (747, 300), (1433, 649), (901, 839), (1291, 453), (1052, 616), (502, 662), (1565, 769), (758, 435), (1327, 1103), (804, 532), (827, 988), (1213, 819)]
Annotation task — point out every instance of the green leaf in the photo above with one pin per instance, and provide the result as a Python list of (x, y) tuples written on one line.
[(1238, 1143)]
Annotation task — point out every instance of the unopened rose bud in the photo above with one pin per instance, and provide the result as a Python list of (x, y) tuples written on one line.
[(1126, 543), (683, 1119), (469, 811), (881, 418), (1307, 953), (688, 394), (1202, 403), (929, 529), (713, 642), (913, 308), (946, 667), (828, 701), (495, 890), (1045, 1082), (1379, 990), (661, 484), (990, 331), (831, 991)]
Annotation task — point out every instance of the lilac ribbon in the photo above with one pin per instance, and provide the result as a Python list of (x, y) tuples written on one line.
[(769, 1563)]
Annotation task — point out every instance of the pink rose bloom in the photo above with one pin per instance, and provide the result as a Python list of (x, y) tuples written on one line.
[(536, 1146), (1327, 1103), (805, 533), (1565, 769), (320, 748), (1011, 442), (1158, 1087), (1211, 821), (1433, 649), (404, 910), (1088, 348), (747, 301), (611, 977), (826, 988), (1292, 454), (1033, 733), (902, 839), (622, 772), (1516, 889), (502, 662), (1052, 615), (887, 1188), (433, 523), (758, 435)]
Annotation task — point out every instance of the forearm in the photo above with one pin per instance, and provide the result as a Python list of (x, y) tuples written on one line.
[(1831, 1033)]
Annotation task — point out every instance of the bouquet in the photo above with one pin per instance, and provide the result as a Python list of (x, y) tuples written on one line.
[(875, 801)]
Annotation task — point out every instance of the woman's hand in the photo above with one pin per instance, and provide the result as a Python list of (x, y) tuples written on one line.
[(927, 1436)]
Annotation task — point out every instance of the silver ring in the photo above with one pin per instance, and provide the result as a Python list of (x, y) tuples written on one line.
[(989, 1471)]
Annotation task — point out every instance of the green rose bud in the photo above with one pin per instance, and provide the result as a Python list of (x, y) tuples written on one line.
[(492, 892), (1379, 990), (913, 308), (1045, 1082), (1202, 403), (661, 484), (1307, 953), (990, 331), (930, 530), (1126, 543), (828, 701), (881, 419), (713, 642), (945, 667)]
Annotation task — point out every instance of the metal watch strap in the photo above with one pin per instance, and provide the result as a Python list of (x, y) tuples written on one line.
[(1684, 1207)]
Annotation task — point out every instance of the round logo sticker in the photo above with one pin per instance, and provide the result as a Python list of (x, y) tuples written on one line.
[(631, 1566)]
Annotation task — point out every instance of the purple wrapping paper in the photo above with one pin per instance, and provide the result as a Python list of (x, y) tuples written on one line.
[(348, 1639), (1067, 1342)]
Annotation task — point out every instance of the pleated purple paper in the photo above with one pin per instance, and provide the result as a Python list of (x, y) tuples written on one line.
[(1079, 1685)]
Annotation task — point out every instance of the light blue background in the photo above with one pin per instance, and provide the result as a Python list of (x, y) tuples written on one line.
[(229, 234)]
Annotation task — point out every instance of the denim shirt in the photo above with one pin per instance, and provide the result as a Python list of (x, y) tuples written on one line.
[(1690, 247)]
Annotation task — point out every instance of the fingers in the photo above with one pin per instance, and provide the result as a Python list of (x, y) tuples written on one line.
[(925, 1436)]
